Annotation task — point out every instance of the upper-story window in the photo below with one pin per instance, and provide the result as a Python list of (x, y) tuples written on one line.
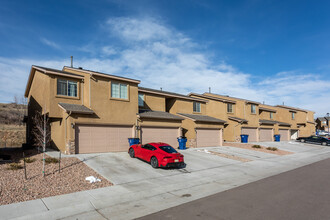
[(66, 88), (119, 90), (197, 107), (292, 115), (230, 108), (253, 109), (271, 115), (141, 100)]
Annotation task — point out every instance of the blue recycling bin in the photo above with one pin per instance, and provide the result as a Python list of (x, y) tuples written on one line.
[(277, 137), (244, 138), (182, 143), (133, 141)]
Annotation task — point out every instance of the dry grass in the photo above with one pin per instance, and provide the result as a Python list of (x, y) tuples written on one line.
[(12, 135)]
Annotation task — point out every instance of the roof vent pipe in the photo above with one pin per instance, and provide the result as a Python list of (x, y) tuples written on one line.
[(71, 61), (209, 89), (161, 89)]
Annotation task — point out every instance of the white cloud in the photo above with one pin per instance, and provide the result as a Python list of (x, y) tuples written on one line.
[(50, 43), (162, 57)]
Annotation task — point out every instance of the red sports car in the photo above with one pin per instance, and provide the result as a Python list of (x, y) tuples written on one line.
[(157, 154)]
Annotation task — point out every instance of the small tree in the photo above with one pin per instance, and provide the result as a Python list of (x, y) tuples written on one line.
[(41, 133)]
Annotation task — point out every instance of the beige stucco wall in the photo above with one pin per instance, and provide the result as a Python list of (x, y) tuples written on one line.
[(154, 102)]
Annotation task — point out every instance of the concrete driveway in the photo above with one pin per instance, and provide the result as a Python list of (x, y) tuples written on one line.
[(138, 187), (119, 168)]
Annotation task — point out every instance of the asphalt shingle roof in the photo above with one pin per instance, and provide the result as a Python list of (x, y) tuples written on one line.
[(238, 119), (159, 115), (261, 121), (76, 108), (203, 118), (170, 94)]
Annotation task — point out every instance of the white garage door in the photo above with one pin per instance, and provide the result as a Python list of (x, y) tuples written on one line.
[(265, 134), (99, 139), (160, 134), (252, 132), (209, 137), (284, 134)]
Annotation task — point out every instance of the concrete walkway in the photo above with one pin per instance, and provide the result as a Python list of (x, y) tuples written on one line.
[(155, 190)]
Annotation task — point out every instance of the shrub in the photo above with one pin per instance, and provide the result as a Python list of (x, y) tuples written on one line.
[(15, 166), (256, 146), (29, 160), (49, 160), (272, 148)]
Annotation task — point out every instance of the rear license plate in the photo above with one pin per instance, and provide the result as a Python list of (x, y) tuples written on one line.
[(176, 160)]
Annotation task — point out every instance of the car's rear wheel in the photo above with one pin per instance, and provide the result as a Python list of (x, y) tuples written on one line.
[(154, 162), (324, 143), (131, 152), (302, 140)]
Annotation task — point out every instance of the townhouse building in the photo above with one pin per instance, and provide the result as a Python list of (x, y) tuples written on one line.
[(94, 112)]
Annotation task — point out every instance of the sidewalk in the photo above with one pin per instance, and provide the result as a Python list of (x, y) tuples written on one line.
[(138, 198)]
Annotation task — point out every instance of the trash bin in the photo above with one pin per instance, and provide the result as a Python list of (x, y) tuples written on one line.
[(244, 138), (182, 143), (277, 137), (133, 141)]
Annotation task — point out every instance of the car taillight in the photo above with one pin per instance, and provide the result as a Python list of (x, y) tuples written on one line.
[(167, 157), (181, 155)]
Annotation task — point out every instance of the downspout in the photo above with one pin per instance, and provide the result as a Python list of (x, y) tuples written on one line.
[(90, 101), (66, 135)]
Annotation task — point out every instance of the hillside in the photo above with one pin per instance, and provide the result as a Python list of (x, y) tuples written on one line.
[(12, 128)]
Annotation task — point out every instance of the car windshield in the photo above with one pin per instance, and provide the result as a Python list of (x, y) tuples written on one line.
[(168, 149)]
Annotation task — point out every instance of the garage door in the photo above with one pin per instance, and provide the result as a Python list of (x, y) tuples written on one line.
[(99, 139), (284, 134), (160, 134), (265, 134), (208, 137), (252, 132), (294, 134)]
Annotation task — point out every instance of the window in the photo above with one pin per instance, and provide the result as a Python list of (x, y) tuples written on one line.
[(292, 115), (197, 107), (67, 88), (119, 91), (230, 108), (149, 147), (271, 115), (141, 100), (253, 109)]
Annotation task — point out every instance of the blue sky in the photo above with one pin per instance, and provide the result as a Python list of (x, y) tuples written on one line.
[(271, 51)]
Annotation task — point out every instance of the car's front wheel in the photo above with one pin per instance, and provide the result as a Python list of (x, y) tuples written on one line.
[(302, 140), (131, 153), (324, 143), (154, 162)]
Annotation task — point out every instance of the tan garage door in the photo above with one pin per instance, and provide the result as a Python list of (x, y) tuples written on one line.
[(99, 139), (160, 134), (265, 134), (208, 137), (252, 132), (284, 134)]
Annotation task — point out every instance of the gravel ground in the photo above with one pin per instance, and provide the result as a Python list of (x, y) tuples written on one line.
[(262, 149), (14, 188), (233, 157)]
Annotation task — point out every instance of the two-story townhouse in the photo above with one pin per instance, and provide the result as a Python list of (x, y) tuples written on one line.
[(322, 123), (177, 115), (242, 115), (302, 121), (88, 111)]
